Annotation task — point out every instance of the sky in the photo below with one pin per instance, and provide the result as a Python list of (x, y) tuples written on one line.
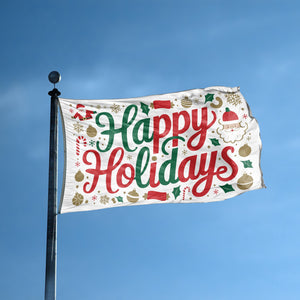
[(245, 247)]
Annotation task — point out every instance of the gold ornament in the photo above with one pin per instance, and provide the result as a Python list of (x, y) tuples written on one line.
[(245, 150), (79, 176), (91, 131), (78, 199), (133, 196), (245, 182), (186, 102), (220, 103)]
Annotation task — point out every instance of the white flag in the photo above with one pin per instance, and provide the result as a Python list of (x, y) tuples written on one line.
[(199, 145)]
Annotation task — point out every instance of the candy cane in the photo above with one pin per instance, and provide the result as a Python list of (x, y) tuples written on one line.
[(184, 191), (78, 140)]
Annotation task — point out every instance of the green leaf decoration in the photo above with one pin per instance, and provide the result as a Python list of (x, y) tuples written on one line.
[(227, 188), (176, 192), (247, 163), (215, 142), (209, 98), (120, 199), (145, 108)]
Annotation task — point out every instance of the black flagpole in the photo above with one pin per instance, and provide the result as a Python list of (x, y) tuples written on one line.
[(50, 279)]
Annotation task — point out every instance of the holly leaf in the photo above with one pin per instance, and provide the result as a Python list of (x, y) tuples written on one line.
[(120, 199), (209, 98), (215, 142), (176, 192), (227, 188), (247, 163), (145, 108)]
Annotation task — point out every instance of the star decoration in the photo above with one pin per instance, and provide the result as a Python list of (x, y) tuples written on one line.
[(92, 143), (216, 192), (104, 199), (78, 127), (115, 108)]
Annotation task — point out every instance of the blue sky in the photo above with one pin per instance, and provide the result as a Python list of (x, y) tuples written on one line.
[(242, 248)]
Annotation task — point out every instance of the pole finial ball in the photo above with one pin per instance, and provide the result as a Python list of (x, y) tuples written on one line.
[(54, 77)]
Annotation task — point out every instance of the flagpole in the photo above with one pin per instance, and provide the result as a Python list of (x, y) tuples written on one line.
[(50, 277)]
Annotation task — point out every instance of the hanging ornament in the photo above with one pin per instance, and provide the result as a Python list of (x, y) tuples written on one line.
[(91, 131), (79, 176), (245, 150), (78, 199), (133, 196), (245, 182)]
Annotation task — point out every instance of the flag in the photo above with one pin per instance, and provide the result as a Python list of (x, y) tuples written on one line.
[(200, 145)]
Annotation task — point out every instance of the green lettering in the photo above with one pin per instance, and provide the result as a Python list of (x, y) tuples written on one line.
[(140, 170), (172, 169), (145, 124)]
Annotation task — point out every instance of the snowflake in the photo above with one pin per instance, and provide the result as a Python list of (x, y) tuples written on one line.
[(92, 143), (94, 198), (216, 192), (184, 152), (115, 108), (71, 110), (104, 199), (77, 164), (245, 116), (129, 157), (78, 127), (233, 99)]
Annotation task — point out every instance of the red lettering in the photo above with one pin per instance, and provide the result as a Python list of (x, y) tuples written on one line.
[(95, 172), (191, 163), (112, 165), (233, 165), (176, 121), (152, 175), (122, 173), (201, 129), (156, 130), (207, 174)]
